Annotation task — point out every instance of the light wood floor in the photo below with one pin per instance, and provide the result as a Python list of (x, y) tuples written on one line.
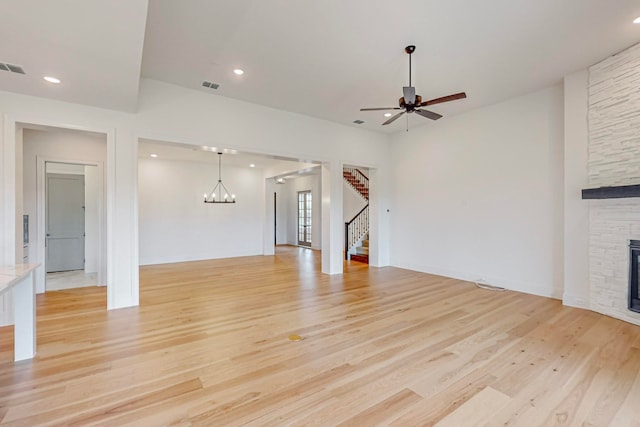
[(382, 346)]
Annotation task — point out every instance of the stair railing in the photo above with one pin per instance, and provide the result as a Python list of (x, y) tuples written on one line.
[(355, 230), (357, 180)]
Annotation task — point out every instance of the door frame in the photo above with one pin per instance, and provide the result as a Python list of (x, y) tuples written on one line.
[(41, 229), (298, 193)]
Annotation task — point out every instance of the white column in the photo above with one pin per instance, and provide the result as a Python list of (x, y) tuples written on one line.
[(332, 221), (122, 219), (268, 233), (7, 208), (25, 318), (7, 181)]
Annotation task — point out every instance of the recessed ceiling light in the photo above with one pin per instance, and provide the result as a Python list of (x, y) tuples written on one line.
[(387, 114), (637, 20), (252, 165), (51, 79), (238, 71), (153, 155)]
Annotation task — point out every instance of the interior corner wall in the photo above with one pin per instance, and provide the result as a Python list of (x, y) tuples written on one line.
[(479, 196), (175, 224), (576, 211)]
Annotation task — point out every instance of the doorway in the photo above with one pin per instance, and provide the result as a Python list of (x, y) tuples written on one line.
[(71, 226), (304, 218)]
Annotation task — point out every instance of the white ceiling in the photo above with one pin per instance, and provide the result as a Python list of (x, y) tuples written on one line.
[(94, 47), (325, 58)]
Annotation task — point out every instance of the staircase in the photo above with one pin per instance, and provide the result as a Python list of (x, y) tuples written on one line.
[(356, 231), (362, 252), (357, 180)]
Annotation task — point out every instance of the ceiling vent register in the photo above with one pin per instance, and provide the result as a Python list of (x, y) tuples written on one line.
[(11, 67), (210, 85)]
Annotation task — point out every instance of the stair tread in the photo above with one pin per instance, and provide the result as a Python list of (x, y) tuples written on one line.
[(360, 258)]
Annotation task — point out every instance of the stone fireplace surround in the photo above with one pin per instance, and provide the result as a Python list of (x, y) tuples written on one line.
[(613, 161)]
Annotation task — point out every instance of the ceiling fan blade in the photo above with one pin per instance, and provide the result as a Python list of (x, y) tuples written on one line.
[(380, 108), (448, 98), (409, 93), (428, 114), (392, 119)]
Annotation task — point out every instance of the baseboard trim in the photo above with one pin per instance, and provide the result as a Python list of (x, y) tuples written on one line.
[(512, 285)]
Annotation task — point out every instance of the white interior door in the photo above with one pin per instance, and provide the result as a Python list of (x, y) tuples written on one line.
[(65, 222)]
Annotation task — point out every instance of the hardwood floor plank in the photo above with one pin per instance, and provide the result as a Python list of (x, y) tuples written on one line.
[(478, 410), (209, 345), (382, 411)]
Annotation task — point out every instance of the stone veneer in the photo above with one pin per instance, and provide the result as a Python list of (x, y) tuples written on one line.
[(614, 159)]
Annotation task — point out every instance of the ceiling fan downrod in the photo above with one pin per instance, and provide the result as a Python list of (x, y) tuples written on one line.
[(410, 49)]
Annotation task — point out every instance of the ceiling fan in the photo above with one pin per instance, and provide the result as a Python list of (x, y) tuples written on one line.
[(412, 103)]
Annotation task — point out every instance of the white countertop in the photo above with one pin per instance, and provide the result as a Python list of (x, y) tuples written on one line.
[(12, 274)]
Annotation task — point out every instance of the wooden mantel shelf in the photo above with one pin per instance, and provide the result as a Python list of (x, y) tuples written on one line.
[(616, 192)]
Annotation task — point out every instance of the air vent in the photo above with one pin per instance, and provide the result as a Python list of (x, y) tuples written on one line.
[(210, 85), (10, 67), (358, 122)]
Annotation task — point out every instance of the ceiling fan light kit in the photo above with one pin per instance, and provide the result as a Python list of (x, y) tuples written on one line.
[(412, 103)]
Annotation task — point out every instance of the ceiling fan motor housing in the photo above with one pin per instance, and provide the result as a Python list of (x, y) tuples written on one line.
[(403, 104)]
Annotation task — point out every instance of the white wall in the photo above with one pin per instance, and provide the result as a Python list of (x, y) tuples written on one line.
[(576, 210), (63, 145), (479, 195), (176, 225)]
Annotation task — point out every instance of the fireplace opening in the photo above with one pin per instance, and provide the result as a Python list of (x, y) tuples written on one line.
[(634, 275)]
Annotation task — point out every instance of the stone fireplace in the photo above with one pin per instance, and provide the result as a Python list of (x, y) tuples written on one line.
[(614, 180)]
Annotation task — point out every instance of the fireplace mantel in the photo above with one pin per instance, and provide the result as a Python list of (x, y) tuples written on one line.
[(616, 192)]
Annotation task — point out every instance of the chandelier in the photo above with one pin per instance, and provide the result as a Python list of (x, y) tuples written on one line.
[(219, 194)]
